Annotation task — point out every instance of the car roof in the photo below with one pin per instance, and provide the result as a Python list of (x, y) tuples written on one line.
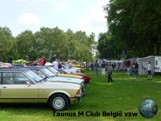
[(49, 66), (35, 67), (13, 69)]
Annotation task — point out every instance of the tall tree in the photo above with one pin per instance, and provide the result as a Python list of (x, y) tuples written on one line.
[(135, 26), (51, 42), (25, 42), (6, 43)]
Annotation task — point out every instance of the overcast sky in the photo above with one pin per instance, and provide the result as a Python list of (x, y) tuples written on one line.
[(85, 15)]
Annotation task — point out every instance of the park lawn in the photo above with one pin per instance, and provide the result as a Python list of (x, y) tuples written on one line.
[(117, 98)]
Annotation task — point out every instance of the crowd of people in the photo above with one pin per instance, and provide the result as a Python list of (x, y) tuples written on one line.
[(134, 68), (104, 67), (93, 66)]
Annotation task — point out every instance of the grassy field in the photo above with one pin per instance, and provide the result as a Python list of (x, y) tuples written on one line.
[(103, 102)]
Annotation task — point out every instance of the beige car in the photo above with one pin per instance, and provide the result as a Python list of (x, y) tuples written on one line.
[(53, 70), (24, 86)]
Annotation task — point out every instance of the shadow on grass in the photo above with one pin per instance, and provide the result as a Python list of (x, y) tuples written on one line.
[(24, 105), (22, 108)]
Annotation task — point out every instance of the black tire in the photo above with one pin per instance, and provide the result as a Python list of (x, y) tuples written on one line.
[(58, 102)]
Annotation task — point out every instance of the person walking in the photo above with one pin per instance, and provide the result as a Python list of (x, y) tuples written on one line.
[(149, 68), (92, 66), (103, 66), (136, 66), (109, 69), (96, 65)]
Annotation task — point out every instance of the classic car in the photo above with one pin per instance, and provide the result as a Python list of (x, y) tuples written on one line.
[(53, 70), (86, 78), (76, 64), (46, 73), (25, 86), (20, 62), (72, 70)]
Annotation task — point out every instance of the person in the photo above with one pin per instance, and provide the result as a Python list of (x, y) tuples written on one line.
[(92, 66), (136, 66), (103, 66), (132, 68), (59, 65), (109, 70), (42, 61), (149, 71), (69, 65), (96, 65), (55, 63), (87, 66)]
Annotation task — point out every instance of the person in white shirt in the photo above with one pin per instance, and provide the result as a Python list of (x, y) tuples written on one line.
[(149, 68), (103, 66), (55, 64)]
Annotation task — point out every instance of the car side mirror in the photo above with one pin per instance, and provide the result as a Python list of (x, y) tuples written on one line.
[(28, 83)]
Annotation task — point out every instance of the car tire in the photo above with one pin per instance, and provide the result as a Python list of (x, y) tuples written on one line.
[(58, 102)]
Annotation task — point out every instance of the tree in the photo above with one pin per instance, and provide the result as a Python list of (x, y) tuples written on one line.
[(134, 26), (6, 44), (47, 42), (51, 42), (25, 42)]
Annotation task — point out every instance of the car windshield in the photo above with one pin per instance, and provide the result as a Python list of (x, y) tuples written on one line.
[(52, 69), (65, 67), (68, 72), (41, 74), (34, 76), (47, 72)]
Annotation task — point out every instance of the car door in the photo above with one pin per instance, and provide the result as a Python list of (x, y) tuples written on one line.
[(16, 87)]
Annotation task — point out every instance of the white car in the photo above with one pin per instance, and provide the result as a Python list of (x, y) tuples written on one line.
[(72, 70)]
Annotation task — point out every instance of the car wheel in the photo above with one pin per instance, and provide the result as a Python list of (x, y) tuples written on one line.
[(58, 102)]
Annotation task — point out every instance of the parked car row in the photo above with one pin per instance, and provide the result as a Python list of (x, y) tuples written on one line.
[(46, 73), (67, 73), (86, 78), (36, 84)]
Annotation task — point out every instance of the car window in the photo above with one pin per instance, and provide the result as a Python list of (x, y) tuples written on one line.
[(39, 73), (52, 69), (15, 78), (47, 72), (33, 75), (64, 67)]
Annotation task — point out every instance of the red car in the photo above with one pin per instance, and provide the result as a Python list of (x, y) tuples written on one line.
[(86, 78)]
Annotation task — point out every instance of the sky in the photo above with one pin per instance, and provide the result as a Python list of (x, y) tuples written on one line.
[(84, 15)]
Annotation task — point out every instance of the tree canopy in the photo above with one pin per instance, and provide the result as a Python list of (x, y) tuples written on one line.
[(134, 26), (48, 42)]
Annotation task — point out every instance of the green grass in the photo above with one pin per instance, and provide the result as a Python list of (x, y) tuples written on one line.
[(123, 95)]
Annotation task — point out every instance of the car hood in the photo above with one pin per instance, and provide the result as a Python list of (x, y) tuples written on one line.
[(70, 76), (58, 85), (65, 80)]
